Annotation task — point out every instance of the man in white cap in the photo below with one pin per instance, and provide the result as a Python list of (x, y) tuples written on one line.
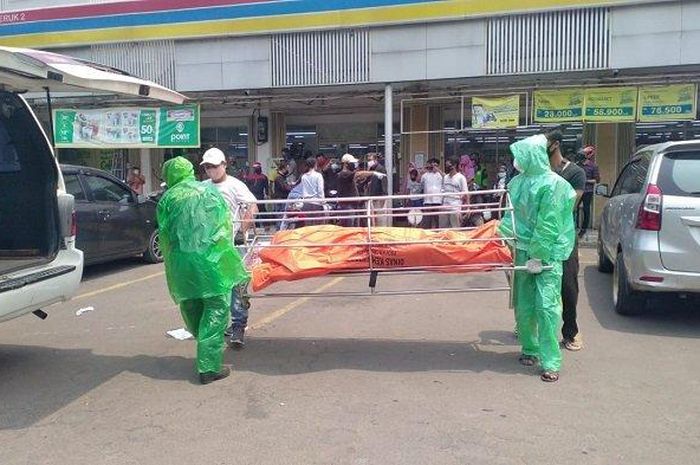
[(241, 203)]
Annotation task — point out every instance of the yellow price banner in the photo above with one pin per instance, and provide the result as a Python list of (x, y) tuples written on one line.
[(610, 104), (495, 112), (558, 106), (667, 103)]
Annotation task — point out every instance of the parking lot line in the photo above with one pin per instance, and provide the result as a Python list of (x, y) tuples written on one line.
[(118, 286), (291, 306)]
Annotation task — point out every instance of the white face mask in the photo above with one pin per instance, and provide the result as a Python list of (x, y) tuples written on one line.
[(501, 174), (371, 163)]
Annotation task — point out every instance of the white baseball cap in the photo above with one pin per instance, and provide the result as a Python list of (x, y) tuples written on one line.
[(213, 156), (348, 158)]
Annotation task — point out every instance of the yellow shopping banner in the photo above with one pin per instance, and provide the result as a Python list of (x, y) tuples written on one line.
[(558, 106), (610, 104), (667, 103), (495, 112)]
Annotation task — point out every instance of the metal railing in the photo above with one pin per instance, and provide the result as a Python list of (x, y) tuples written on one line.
[(364, 213)]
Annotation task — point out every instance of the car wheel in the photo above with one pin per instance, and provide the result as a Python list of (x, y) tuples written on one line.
[(604, 264), (627, 301), (153, 254)]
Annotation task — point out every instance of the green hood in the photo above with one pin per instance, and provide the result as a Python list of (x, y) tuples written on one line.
[(531, 155), (177, 170)]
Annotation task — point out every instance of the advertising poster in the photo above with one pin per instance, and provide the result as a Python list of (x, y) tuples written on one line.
[(495, 112), (667, 103), (610, 104), (127, 127), (558, 106)]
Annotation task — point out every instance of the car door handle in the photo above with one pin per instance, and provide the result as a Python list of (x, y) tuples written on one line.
[(691, 220)]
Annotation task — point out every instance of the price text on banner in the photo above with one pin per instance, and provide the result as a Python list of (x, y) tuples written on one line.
[(558, 106), (127, 127), (610, 104), (667, 103), (495, 113)]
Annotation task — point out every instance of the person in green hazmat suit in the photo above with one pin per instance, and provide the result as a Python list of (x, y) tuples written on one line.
[(201, 265), (544, 238)]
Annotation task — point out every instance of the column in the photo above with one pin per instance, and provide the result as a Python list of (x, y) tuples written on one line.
[(389, 137), (146, 169)]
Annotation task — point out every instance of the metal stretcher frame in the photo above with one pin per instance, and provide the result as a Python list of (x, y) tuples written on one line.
[(368, 215)]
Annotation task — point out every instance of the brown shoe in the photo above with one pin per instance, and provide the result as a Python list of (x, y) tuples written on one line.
[(575, 344)]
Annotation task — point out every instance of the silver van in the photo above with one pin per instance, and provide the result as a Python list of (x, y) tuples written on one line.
[(39, 264), (650, 227)]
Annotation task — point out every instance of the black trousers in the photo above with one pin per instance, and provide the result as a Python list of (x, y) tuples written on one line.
[(585, 203), (431, 218), (569, 295)]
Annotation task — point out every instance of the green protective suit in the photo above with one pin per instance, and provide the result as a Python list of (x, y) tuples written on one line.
[(201, 264), (544, 229)]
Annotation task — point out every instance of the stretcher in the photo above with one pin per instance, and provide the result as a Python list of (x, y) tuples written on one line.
[(292, 241)]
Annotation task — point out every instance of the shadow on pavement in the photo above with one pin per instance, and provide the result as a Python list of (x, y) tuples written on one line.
[(662, 316), (38, 381), (288, 356), (104, 269)]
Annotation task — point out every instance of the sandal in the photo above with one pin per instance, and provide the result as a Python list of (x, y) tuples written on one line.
[(527, 360), (550, 376)]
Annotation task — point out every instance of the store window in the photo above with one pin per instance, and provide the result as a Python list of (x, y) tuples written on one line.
[(232, 140), (302, 140)]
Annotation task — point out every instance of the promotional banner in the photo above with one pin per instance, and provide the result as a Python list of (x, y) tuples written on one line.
[(558, 106), (127, 127), (667, 103), (495, 112), (610, 104)]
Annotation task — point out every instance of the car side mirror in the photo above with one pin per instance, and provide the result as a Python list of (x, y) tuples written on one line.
[(602, 190)]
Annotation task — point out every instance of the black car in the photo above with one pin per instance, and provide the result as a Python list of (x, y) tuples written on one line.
[(113, 221)]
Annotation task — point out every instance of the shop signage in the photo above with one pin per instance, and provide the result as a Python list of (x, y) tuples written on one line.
[(127, 127), (667, 103), (558, 106), (495, 112), (610, 104)]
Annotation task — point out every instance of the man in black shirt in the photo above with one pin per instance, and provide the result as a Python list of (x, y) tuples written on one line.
[(330, 177), (576, 176)]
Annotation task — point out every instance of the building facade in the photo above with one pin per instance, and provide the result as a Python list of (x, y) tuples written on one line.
[(317, 75)]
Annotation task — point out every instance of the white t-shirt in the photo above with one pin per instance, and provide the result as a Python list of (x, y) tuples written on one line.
[(432, 184), (312, 185), (234, 192), (456, 183)]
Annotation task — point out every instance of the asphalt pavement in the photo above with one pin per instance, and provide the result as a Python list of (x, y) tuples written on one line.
[(429, 379)]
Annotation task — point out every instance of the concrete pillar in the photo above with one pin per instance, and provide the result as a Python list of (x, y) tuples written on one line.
[(615, 144), (263, 152), (389, 137), (146, 169), (276, 138), (417, 122)]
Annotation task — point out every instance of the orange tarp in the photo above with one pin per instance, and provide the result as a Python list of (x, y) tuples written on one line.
[(341, 253)]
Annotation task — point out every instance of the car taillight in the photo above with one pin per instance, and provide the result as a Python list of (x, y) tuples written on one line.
[(73, 224), (649, 217)]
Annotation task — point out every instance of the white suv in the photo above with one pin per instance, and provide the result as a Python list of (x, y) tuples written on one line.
[(650, 228), (39, 264)]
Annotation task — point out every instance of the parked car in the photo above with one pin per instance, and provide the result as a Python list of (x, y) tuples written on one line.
[(39, 262), (112, 220), (650, 228)]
